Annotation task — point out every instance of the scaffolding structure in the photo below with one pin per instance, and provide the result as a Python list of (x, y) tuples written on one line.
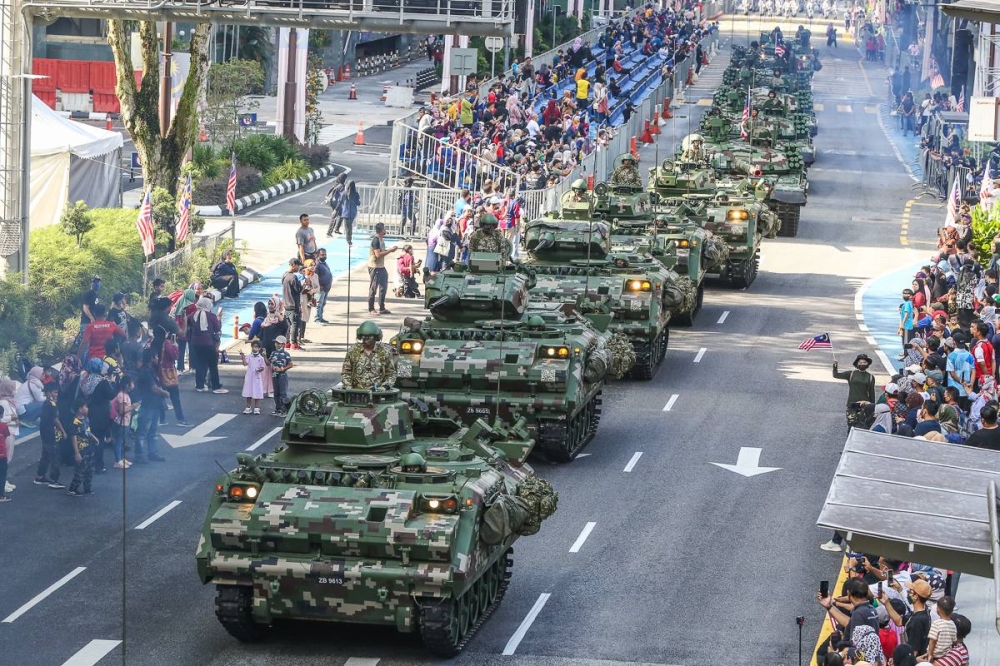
[(15, 117), (987, 77)]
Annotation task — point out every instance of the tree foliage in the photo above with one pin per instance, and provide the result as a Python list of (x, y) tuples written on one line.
[(227, 98), (75, 221), (314, 87)]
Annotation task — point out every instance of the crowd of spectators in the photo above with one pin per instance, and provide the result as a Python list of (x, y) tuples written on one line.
[(541, 118)]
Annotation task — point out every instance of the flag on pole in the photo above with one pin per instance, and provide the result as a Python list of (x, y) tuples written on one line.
[(231, 188), (954, 205), (779, 48), (818, 342), (746, 117), (144, 224), (986, 186), (961, 101), (184, 204)]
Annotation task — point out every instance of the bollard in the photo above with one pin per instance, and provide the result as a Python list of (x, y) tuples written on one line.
[(655, 123), (347, 71), (666, 115), (646, 136), (385, 93), (236, 327), (108, 124), (590, 181), (634, 148), (354, 92)]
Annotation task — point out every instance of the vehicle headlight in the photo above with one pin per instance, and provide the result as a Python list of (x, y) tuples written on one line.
[(639, 285), (411, 346), (555, 352), (243, 492), (438, 504), (736, 215)]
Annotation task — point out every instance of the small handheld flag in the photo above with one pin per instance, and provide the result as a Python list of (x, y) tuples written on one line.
[(184, 203), (985, 187), (144, 224), (231, 188), (954, 205), (818, 342)]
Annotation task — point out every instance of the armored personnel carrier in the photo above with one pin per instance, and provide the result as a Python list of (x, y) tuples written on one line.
[(372, 512), (672, 178), (571, 256), (484, 352)]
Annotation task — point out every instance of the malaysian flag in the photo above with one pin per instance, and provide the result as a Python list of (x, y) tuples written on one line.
[(231, 189), (144, 224), (954, 204), (746, 117), (818, 342), (986, 186), (779, 48), (184, 205)]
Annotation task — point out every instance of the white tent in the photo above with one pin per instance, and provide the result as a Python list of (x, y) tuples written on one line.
[(70, 161)]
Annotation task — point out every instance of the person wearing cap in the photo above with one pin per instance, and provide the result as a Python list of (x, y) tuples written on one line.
[(906, 320), (918, 626), (377, 274), (291, 295), (280, 362), (861, 388), (117, 314)]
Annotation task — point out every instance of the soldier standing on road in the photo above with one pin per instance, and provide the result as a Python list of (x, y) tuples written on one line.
[(861, 389), (627, 173), (368, 364), (487, 239), (378, 275)]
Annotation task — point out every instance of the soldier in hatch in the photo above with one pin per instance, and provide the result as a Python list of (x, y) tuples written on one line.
[(487, 239), (694, 151), (776, 80), (369, 364), (772, 103), (627, 174), (413, 463), (579, 189)]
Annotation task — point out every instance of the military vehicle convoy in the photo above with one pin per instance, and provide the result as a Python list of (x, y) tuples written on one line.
[(372, 511), (483, 352)]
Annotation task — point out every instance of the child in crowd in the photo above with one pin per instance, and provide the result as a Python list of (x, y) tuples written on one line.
[(122, 413), (253, 382), (53, 434), (943, 632), (84, 446), (280, 362)]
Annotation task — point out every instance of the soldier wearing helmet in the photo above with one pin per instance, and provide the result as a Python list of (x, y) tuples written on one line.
[(413, 463), (627, 173), (693, 151), (487, 239), (368, 364)]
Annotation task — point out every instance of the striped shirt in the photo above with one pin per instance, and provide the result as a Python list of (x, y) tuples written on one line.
[(958, 655)]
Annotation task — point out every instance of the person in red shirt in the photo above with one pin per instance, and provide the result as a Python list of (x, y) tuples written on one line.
[(982, 352), (97, 333), (407, 268)]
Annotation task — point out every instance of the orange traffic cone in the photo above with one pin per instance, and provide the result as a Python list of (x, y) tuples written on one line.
[(107, 123), (385, 93), (646, 136), (634, 148), (354, 92), (666, 115), (347, 71), (359, 138), (654, 125), (340, 73), (690, 79)]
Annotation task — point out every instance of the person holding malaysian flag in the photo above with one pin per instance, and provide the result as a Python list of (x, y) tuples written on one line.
[(860, 390)]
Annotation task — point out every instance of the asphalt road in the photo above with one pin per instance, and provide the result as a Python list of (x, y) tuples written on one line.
[(685, 563)]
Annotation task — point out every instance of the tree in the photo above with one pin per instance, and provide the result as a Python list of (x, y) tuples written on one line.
[(226, 99), (75, 221), (314, 87), (161, 155)]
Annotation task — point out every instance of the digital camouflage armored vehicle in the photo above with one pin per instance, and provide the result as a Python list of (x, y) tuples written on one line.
[(370, 512), (783, 172), (484, 352), (673, 178), (571, 256)]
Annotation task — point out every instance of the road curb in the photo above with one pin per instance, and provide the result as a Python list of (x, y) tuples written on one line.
[(270, 193)]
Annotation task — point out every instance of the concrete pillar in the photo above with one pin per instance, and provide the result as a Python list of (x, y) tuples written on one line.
[(529, 29), (579, 12)]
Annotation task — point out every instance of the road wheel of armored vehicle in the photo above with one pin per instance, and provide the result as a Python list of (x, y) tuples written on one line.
[(789, 216), (562, 441), (646, 370), (743, 273), (234, 608), (446, 625), (687, 319)]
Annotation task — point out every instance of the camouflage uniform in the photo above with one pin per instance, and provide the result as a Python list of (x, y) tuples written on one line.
[(363, 369), (480, 241), (626, 176), (693, 154)]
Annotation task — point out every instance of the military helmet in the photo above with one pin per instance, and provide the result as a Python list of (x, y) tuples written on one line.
[(369, 328), (627, 158), (579, 184), (413, 462), (488, 218)]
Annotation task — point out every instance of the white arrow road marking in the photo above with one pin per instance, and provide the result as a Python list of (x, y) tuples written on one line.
[(747, 463), (518, 636), (670, 403), (256, 445), (578, 544), (92, 653), (362, 661), (46, 592), (701, 353), (722, 319), (199, 433), (631, 463), (156, 516)]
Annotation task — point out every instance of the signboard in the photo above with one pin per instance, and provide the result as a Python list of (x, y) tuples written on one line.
[(494, 44), (248, 120), (983, 119), (463, 61), (135, 160)]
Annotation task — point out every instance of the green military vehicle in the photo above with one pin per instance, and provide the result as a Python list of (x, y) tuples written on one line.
[(672, 178), (371, 511), (571, 255), (484, 352)]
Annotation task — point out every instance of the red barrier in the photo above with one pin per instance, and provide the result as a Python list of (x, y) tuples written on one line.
[(654, 124), (634, 148), (590, 181), (666, 115), (646, 136)]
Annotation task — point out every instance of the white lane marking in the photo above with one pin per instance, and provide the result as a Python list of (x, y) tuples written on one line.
[(870, 340), (863, 327), (722, 319), (518, 636), (631, 463), (46, 592), (156, 516), (362, 661), (670, 403), (701, 353), (859, 316), (578, 544), (886, 363), (283, 198), (256, 445), (91, 653)]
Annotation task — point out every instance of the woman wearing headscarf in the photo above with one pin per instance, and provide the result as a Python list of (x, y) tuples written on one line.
[(968, 277), (259, 314), (30, 395), (69, 387), (867, 646), (170, 382), (551, 114), (449, 233), (204, 335), (433, 235), (185, 308), (99, 392), (349, 205), (515, 117), (883, 419)]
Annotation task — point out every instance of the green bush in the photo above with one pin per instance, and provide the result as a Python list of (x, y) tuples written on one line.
[(212, 191), (317, 156), (287, 170), (264, 152)]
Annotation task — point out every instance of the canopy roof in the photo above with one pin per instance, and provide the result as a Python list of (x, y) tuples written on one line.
[(982, 11), (51, 134)]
